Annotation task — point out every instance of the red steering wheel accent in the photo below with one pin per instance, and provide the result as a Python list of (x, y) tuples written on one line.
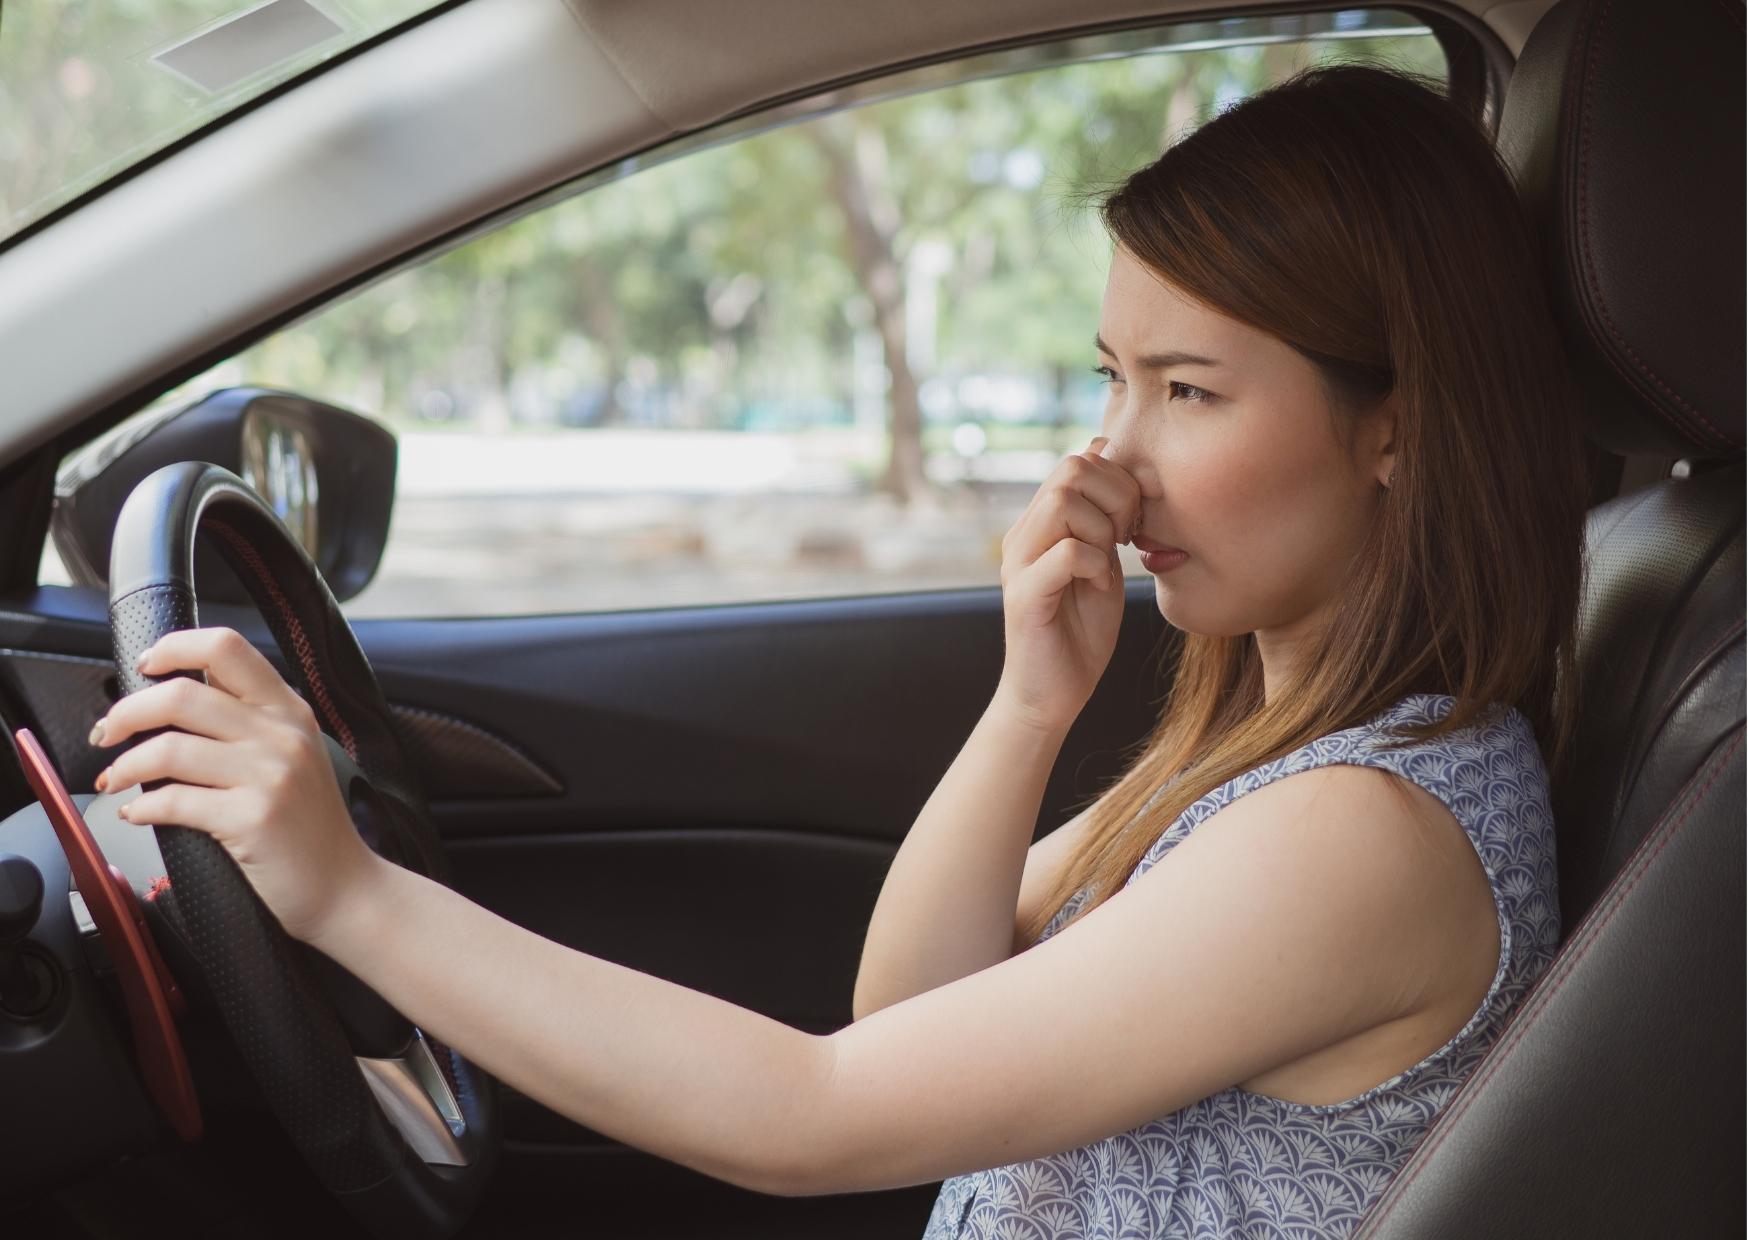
[(147, 988)]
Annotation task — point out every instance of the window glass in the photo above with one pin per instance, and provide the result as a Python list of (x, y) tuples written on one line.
[(88, 89), (832, 358)]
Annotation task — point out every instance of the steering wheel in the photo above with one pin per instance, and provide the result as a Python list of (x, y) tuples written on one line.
[(398, 1127)]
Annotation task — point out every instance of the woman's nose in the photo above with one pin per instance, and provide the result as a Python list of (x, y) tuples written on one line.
[(1123, 451), (1118, 448)]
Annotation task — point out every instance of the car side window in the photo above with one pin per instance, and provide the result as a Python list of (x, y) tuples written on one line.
[(831, 357)]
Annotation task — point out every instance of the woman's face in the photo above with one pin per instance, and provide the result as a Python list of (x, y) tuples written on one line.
[(1238, 464)]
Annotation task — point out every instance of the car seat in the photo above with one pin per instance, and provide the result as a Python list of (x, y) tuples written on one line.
[(1611, 1104)]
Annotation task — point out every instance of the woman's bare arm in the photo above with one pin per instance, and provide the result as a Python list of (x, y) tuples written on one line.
[(947, 907), (1045, 862)]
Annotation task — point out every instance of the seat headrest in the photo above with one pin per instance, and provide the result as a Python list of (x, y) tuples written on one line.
[(1623, 125)]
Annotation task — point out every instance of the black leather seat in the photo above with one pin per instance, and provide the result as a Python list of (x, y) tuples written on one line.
[(1611, 1105)]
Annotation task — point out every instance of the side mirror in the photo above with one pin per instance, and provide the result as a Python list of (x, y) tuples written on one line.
[(328, 474)]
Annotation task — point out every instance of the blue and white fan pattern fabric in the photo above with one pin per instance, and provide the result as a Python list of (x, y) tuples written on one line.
[(1241, 1164)]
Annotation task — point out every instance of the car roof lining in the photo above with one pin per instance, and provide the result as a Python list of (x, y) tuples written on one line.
[(689, 63), (421, 137)]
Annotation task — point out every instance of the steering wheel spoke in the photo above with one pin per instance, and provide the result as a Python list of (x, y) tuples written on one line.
[(417, 1099)]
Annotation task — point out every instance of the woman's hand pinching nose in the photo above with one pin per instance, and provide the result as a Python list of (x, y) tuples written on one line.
[(1125, 535), (1062, 585)]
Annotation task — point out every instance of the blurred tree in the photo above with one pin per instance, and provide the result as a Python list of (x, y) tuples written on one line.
[(861, 181)]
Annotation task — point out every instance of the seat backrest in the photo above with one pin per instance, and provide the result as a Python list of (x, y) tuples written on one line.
[(1610, 1105)]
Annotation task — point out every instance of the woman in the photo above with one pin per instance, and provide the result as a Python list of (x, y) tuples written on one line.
[(1336, 387)]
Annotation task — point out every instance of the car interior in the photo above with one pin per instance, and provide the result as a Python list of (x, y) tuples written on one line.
[(713, 794)]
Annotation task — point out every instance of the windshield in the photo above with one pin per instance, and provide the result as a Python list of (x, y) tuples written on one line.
[(87, 90)]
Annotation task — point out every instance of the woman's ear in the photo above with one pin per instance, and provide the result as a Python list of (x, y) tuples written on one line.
[(1383, 438)]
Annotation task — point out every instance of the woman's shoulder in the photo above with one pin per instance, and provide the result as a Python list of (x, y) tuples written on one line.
[(1498, 741), (1495, 750), (1495, 725), (1490, 763), (1489, 774), (1486, 775)]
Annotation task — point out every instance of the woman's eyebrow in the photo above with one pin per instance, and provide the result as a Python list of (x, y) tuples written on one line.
[(1159, 360)]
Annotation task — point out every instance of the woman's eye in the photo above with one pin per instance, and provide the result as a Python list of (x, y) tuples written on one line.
[(1194, 395)]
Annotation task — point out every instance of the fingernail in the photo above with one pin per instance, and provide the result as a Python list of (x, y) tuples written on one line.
[(96, 737), (121, 813), (101, 783), (140, 663)]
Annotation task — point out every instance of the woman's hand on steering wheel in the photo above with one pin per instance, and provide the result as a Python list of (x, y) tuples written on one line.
[(247, 765)]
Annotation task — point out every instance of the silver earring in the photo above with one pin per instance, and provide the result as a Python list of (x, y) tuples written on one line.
[(1391, 480)]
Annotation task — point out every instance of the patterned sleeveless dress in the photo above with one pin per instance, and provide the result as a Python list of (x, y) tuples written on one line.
[(1242, 1164)]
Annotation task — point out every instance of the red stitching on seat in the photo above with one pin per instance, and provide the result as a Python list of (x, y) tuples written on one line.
[(1543, 993), (299, 639)]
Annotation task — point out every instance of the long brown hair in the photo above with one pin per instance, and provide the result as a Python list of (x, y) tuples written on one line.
[(1355, 213)]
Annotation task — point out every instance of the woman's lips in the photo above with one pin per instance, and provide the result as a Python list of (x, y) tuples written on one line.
[(1156, 557)]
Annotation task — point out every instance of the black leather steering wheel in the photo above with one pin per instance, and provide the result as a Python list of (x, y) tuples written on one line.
[(404, 1135)]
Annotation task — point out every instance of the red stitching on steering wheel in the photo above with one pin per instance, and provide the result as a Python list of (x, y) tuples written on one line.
[(300, 641)]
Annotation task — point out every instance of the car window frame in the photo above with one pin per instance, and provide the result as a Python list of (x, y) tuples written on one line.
[(1478, 65)]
